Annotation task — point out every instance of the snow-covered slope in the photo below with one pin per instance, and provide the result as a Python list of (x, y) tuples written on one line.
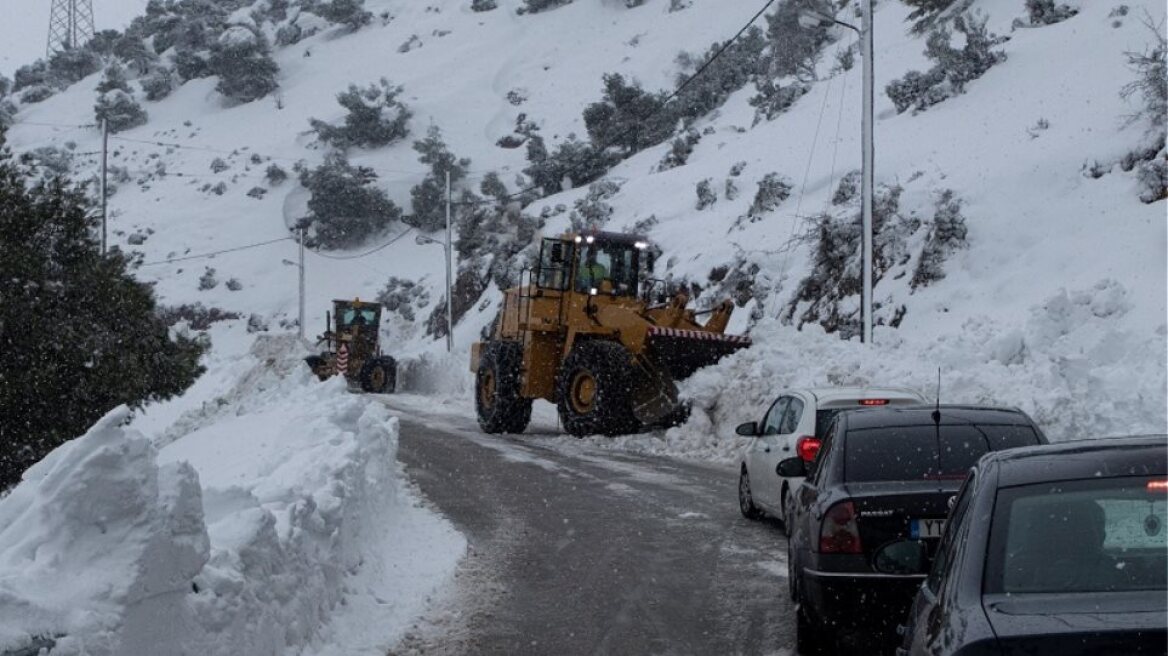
[(1038, 224)]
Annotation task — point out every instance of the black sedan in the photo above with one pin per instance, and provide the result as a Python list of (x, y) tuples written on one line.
[(1059, 549), (871, 510)]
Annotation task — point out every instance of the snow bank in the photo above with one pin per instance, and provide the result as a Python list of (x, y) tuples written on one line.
[(1074, 366), (99, 545), (274, 520), (1079, 365)]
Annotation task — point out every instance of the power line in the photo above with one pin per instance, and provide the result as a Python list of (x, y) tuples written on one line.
[(368, 252), (54, 125), (237, 151), (672, 96), (214, 253)]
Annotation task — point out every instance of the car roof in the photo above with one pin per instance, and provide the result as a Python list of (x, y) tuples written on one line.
[(1145, 455), (918, 415), (829, 394)]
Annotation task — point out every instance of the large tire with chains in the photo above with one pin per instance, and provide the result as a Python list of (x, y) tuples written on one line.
[(594, 390), (498, 402), (378, 375)]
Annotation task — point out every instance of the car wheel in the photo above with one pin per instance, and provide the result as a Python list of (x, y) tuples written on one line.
[(745, 500)]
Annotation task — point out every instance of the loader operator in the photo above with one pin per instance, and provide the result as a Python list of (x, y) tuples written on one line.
[(591, 273)]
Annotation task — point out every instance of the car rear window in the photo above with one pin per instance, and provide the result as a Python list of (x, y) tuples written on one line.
[(910, 453), (1096, 535)]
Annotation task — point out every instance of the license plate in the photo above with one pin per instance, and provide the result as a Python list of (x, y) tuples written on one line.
[(927, 528)]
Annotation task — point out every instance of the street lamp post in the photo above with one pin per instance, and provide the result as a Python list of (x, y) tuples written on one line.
[(447, 245), (300, 265), (811, 18)]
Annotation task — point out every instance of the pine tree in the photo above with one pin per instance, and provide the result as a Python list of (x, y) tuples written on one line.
[(115, 104), (79, 334), (114, 78), (376, 117), (73, 65), (428, 198), (243, 61), (345, 12), (345, 208), (628, 117)]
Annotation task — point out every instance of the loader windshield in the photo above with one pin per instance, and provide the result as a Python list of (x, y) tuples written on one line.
[(359, 317), (608, 267)]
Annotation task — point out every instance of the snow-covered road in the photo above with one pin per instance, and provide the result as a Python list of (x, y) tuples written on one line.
[(579, 550)]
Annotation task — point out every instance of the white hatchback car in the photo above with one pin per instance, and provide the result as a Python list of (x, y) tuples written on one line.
[(794, 425)]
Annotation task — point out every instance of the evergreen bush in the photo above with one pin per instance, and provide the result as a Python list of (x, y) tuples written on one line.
[(953, 67), (243, 61), (346, 208), (376, 117), (79, 334)]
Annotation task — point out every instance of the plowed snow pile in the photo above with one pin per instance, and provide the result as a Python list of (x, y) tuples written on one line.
[(279, 525)]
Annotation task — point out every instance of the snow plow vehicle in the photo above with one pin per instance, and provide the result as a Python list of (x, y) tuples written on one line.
[(353, 348), (590, 332)]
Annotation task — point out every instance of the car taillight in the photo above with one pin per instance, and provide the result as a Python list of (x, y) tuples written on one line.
[(807, 446), (1157, 486), (873, 401), (839, 533)]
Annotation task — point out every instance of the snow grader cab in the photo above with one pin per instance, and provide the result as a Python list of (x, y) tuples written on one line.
[(353, 349), (589, 331)]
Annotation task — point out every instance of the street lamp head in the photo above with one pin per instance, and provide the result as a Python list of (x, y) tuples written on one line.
[(422, 240), (289, 262), (809, 18)]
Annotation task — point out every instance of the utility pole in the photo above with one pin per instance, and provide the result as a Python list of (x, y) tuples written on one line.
[(300, 319), (303, 228), (104, 160), (809, 18), (449, 284), (867, 168)]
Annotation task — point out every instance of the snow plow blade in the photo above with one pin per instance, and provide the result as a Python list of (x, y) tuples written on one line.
[(682, 352)]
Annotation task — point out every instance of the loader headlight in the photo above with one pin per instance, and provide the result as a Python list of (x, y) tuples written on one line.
[(578, 239), (641, 245), (590, 239), (593, 292)]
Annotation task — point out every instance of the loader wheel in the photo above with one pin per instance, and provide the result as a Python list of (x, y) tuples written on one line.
[(594, 390), (499, 405), (379, 375)]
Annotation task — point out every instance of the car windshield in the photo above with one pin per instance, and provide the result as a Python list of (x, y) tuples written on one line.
[(1096, 535), (910, 453)]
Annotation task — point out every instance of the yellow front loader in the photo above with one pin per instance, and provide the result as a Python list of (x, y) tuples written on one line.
[(588, 330)]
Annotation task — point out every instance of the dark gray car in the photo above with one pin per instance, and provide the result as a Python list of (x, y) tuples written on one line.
[(1058, 549), (872, 511)]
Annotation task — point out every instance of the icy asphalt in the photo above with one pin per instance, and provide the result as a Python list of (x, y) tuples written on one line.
[(573, 550)]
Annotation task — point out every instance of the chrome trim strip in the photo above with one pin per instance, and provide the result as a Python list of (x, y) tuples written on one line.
[(864, 575)]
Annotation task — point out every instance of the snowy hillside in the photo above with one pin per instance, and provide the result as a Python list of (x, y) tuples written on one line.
[(1030, 153), (1022, 250)]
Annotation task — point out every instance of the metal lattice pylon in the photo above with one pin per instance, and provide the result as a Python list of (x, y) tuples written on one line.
[(70, 25)]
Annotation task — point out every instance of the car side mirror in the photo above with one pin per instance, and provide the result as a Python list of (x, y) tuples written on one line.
[(902, 557), (791, 467), (749, 429)]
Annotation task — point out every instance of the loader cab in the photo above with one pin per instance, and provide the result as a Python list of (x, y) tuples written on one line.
[(357, 323), (609, 264)]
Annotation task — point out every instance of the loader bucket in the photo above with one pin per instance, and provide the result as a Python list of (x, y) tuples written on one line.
[(682, 352)]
